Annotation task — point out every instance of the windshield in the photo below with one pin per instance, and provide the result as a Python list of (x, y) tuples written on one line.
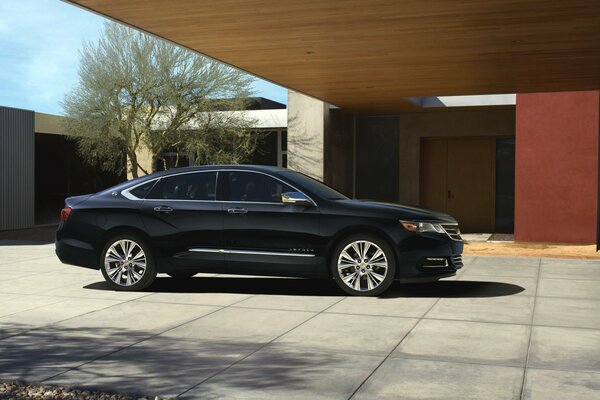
[(314, 186)]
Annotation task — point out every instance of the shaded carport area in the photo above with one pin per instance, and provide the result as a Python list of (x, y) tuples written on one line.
[(504, 328)]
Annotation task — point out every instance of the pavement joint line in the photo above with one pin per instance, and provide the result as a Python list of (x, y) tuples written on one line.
[(22, 260), (32, 308), (134, 343), (256, 350), (473, 362), (524, 381), (392, 351), (416, 358), (27, 330)]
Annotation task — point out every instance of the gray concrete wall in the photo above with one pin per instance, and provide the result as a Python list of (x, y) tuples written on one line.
[(414, 126), (307, 119), (16, 168)]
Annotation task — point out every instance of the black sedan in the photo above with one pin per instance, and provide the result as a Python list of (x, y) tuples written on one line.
[(253, 220)]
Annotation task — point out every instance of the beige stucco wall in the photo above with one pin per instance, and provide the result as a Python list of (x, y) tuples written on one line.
[(307, 119), (414, 126), (49, 123), (144, 158)]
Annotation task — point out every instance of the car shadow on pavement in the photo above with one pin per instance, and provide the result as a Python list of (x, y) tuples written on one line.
[(321, 287)]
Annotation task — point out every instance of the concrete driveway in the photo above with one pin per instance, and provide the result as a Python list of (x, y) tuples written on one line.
[(505, 328)]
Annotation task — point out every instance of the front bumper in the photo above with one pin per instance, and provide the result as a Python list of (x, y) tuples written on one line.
[(429, 256)]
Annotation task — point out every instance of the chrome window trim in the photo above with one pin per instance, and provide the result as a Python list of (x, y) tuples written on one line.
[(126, 192), (249, 252)]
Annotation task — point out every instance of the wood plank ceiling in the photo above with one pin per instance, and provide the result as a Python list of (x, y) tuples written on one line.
[(368, 55)]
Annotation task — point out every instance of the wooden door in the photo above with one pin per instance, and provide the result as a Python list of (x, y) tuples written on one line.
[(458, 177)]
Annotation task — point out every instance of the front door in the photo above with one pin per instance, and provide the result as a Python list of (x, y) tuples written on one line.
[(260, 232), (458, 176), (185, 221)]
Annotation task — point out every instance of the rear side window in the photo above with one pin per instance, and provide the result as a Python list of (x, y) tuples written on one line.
[(141, 191), (253, 187), (194, 186)]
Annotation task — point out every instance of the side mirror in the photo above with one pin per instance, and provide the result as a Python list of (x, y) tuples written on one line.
[(296, 198)]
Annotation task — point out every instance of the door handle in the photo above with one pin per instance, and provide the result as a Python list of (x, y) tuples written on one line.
[(237, 210), (163, 209)]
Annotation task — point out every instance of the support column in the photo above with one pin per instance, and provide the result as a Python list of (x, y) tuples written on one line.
[(307, 119), (556, 171)]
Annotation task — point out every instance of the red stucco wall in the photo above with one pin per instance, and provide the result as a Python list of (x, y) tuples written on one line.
[(556, 174)]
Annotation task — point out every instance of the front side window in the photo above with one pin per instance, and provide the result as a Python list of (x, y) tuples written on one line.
[(193, 186), (254, 187)]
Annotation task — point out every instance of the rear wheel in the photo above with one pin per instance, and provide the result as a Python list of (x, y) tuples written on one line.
[(181, 274), (363, 265), (127, 263)]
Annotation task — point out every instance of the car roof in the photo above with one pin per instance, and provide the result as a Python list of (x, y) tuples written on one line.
[(142, 179)]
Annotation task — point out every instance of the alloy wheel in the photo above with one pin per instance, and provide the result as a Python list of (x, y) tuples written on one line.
[(125, 262), (362, 265)]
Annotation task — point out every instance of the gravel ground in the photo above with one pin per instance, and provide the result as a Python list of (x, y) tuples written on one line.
[(538, 250), (28, 391)]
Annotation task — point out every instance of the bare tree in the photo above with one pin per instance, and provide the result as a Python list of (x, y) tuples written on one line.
[(137, 91)]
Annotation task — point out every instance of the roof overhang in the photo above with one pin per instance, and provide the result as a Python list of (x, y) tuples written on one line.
[(370, 55)]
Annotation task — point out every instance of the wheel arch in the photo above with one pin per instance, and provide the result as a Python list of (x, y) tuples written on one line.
[(116, 231)]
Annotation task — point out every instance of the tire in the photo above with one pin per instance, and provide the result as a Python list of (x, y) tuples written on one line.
[(365, 278), (181, 274), (124, 271)]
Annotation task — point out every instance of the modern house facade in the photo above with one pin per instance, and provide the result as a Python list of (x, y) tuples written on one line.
[(40, 165), (367, 77)]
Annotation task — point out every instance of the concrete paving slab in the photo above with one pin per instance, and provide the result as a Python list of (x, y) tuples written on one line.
[(280, 373), (459, 341), (570, 262), (209, 299), (349, 334), (143, 367), (500, 270), (293, 303), (19, 303), (149, 318), (412, 307), (55, 312), (572, 349), (202, 329), (591, 272), (561, 385), (506, 309), (96, 290), (554, 311), (244, 325), (580, 289), (40, 283), (506, 261), (400, 378)]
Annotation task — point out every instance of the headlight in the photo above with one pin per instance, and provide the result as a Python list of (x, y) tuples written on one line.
[(422, 227)]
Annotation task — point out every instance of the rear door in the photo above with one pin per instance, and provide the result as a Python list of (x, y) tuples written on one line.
[(262, 234), (185, 220)]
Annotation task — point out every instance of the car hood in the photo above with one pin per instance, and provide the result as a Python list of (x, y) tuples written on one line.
[(396, 210)]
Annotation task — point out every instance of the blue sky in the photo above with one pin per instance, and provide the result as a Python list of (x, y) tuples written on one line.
[(39, 43)]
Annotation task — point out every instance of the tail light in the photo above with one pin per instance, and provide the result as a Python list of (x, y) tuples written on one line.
[(64, 214)]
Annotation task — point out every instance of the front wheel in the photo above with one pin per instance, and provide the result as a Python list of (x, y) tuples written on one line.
[(127, 264), (363, 265)]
